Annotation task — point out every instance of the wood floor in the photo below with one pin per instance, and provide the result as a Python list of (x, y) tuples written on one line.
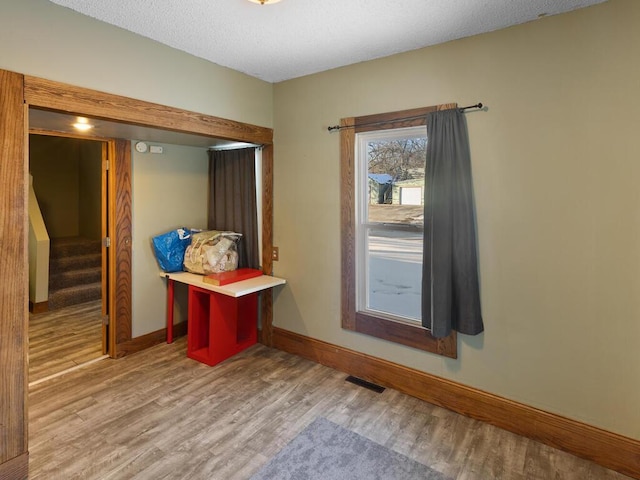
[(64, 338), (157, 414)]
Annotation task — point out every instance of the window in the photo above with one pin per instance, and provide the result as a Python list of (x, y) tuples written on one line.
[(389, 221), (383, 187)]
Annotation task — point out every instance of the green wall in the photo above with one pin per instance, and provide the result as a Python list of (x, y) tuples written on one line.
[(169, 191), (556, 175), (43, 39), (67, 182)]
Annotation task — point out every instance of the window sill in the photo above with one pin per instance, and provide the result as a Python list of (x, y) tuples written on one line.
[(414, 336)]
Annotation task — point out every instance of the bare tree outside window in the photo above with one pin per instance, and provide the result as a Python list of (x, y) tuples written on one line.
[(403, 159)]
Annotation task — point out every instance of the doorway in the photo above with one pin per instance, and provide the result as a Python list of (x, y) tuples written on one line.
[(68, 182), (21, 94)]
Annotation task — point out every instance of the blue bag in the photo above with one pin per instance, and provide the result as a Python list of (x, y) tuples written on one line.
[(170, 247)]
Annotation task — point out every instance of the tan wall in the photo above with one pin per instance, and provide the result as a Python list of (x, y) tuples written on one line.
[(556, 175), (169, 191), (54, 164), (90, 190), (40, 38), (67, 183)]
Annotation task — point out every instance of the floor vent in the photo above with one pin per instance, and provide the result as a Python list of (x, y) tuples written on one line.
[(365, 384)]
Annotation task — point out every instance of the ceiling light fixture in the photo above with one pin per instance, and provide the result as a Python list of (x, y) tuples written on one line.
[(262, 2), (82, 124)]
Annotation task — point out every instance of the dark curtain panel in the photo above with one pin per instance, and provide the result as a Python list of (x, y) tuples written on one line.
[(232, 199), (450, 290)]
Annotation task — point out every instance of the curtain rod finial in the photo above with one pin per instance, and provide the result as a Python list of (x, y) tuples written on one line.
[(478, 105)]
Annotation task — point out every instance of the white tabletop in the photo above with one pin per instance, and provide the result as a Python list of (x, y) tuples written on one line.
[(236, 289)]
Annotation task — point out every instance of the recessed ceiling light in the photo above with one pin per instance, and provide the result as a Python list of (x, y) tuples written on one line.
[(263, 2), (82, 124)]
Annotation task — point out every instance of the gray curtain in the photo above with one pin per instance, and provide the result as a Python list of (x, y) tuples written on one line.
[(450, 289), (232, 199)]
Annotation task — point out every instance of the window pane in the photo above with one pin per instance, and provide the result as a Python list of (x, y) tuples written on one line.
[(394, 272), (395, 175)]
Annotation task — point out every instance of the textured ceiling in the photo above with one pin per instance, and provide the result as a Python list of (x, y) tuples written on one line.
[(293, 38)]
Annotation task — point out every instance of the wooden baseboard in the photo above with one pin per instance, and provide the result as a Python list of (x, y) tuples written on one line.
[(39, 307), (15, 469), (149, 340), (608, 449)]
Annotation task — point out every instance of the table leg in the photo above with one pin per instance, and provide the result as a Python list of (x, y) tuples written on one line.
[(170, 285)]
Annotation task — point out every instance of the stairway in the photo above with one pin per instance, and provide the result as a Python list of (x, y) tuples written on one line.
[(75, 271)]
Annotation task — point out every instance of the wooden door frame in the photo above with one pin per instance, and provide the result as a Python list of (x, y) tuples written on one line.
[(104, 232), (14, 129), (14, 277), (50, 95), (107, 209)]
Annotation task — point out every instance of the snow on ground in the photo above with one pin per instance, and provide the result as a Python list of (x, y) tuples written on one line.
[(395, 273)]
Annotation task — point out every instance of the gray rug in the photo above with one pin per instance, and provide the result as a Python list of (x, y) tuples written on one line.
[(326, 451)]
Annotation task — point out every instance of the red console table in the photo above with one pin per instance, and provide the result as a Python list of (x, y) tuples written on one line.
[(222, 321)]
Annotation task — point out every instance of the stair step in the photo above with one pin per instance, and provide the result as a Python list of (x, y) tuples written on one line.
[(71, 278), (76, 262), (75, 271), (74, 295), (71, 246)]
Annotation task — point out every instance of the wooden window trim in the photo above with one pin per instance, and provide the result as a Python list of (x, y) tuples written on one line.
[(407, 334)]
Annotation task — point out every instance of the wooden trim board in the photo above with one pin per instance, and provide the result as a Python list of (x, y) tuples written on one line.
[(38, 307), (605, 448), (53, 95), (15, 469), (151, 339), (120, 260), (266, 298), (14, 273)]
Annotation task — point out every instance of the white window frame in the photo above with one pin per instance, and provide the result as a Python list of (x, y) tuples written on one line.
[(363, 226)]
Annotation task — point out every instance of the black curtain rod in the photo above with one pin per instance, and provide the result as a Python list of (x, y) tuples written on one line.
[(338, 127)]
